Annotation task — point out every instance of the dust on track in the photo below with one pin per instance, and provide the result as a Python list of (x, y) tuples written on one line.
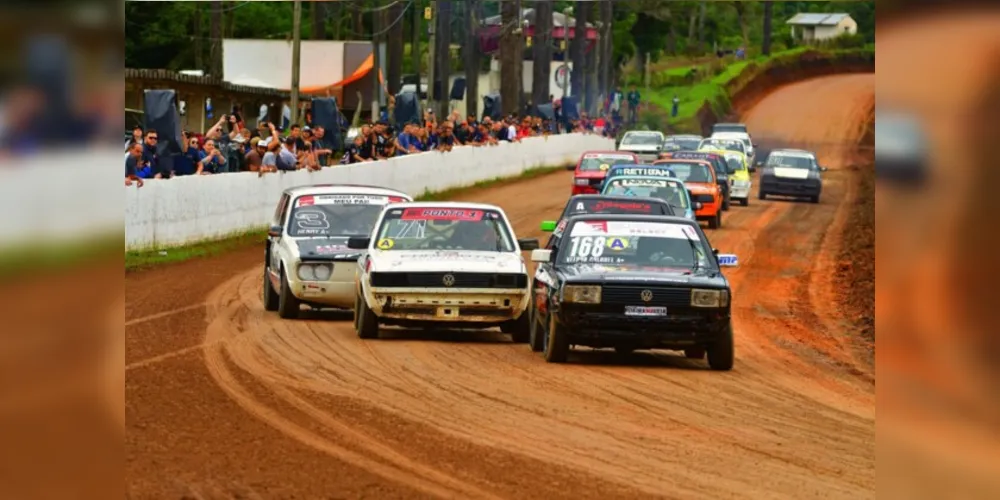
[(236, 395)]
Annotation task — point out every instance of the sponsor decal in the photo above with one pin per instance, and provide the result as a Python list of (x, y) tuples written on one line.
[(329, 249), (645, 171), (632, 207), (605, 167), (342, 199), (617, 244), (449, 214), (643, 311), (385, 244)]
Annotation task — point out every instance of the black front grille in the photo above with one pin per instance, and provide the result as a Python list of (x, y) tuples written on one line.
[(704, 198), (461, 280), (632, 296)]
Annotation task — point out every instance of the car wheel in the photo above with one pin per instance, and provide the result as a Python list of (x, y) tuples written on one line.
[(715, 222), (624, 350), (270, 298), (721, 355), (814, 199), (535, 334), (745, 201), (726, 202), (519, 329), (694, 353), (556, 342), (762, 195), (366, 322), (288, 304)]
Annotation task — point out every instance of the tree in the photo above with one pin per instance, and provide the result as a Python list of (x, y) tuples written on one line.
[(215, 34), (541, 52), (768, 14), (394, 48), (199, 53), (606, 47), (577, 47), (318, 12), (510, 63), (471, 58), (442, 56)]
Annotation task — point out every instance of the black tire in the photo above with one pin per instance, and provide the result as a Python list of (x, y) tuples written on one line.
[(535, 333), (519, 329), (727, 201), (694, 353), (814, 199), (624, 350), (557, 343), (288, 304), (762, 195), (745, 201), (366, 322), (721, 353), (716, 222), (269, 298), (357, 309)]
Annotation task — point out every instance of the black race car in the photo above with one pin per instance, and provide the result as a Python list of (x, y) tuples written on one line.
[(718, 163), (599, 204), (632, 282), (791, 172)]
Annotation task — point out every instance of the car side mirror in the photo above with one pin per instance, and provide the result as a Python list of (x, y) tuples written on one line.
[(541, 255), (358, 242), (528, 244), (274, 232), (727, 260), (548, 226)]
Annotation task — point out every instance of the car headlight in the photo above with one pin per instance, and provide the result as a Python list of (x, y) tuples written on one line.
[(581, 182), (315, 272), (582, 294), (709, 298)]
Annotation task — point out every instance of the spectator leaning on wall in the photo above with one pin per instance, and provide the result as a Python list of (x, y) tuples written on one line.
[(213, 161), (287, 159), (133, 162)]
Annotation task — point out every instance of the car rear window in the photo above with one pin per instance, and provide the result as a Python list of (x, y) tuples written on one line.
[(597, 162)]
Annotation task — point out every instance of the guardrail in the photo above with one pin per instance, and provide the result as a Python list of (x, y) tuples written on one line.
[(187, 210)]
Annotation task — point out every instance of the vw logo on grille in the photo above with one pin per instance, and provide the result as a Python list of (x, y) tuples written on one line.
[(448, 280), (647, 295)]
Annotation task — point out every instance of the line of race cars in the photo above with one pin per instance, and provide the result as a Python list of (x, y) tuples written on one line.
[(627, 265)]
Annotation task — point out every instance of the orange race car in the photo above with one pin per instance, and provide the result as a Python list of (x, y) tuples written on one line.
[(699, 177)]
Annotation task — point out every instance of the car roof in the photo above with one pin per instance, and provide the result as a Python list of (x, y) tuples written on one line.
[(320, 189), (685, 136), (793, 152), (673, 219), (644, 132), (730, 124), (608, 152)]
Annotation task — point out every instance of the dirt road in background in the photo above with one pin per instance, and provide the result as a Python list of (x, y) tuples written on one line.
[(223, 399)]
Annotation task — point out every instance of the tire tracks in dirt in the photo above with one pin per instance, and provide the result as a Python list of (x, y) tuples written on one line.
[(469, 415)]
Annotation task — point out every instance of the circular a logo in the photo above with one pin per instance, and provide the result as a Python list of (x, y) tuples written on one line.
[(647, 295), (448, 280)]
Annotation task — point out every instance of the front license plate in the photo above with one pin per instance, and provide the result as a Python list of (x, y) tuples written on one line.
[(645, 311)]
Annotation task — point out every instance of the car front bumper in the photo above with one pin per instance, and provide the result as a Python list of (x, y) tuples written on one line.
[(740, 190), (337, 291), (682, 327), (785, 187), (462, 305)]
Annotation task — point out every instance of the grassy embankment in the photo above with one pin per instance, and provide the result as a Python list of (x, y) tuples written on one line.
[(707, 90), (141, 259)]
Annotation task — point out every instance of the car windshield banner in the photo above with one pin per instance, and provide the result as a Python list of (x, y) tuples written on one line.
[(449, 214), (346, 199), (641, 172)]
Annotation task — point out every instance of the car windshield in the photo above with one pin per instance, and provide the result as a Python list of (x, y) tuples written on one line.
[(788, 161), (444, 228), (672, 192), (336, 215), (683, 143), (638, 244), (727, 127), (642, 140), (593, 163), (724, 144), (734, 163), (691, 172)]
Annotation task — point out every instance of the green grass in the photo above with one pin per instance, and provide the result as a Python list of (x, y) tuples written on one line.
[(49, 257), (144, 259)]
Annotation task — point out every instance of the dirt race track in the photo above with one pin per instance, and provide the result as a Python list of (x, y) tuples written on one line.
[(224, 400)]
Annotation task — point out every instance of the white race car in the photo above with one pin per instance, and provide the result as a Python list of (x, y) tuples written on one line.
[(455, 265), (307, 260)]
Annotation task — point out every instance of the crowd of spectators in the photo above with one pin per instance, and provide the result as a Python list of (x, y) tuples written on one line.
[(229, 146)]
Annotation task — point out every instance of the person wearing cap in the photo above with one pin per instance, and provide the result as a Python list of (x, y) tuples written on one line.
[(255, 157), (287, 159)]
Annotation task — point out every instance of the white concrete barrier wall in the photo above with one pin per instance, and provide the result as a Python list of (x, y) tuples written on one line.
[(186, 210)]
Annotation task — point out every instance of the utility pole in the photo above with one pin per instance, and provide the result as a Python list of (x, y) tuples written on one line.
[(376, 62), (296, 57), (432, 61)]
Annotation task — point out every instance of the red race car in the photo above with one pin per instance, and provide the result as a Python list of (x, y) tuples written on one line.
[(593, 167)]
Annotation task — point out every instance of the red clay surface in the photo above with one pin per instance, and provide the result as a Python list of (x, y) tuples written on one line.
[(225, 400)]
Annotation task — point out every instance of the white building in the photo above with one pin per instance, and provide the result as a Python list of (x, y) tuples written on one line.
[(816, 27)]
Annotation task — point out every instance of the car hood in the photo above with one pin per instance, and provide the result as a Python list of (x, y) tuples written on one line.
[(447, 261), (740, 175), (790, 173), (326, 249), (700, 188), (590, 174), (641, 275)]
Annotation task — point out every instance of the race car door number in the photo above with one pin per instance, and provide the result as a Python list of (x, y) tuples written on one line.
[(645, 311)]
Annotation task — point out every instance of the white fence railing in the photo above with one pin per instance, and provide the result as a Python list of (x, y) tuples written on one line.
[(190, 209)]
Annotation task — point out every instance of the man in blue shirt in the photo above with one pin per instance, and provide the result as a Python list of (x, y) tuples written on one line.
[(213, 160), (633, 105), (405, 142)]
